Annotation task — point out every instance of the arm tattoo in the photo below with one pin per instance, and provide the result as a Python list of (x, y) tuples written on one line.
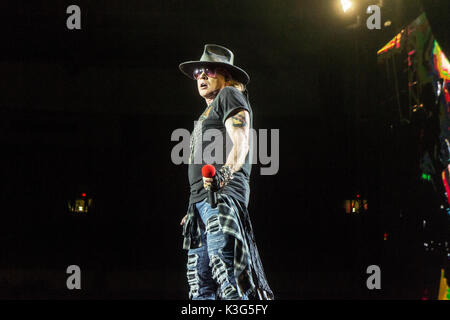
[(238, 127), (238, 120)]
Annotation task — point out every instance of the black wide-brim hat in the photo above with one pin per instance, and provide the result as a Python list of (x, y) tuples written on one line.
[(215, 56)]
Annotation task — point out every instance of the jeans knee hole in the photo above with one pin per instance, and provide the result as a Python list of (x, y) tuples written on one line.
[(213, 225), (192, 261), (229, 290), (193, 282)]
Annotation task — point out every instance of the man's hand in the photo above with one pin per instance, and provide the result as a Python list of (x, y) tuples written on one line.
[(208, 181), (183, 220)]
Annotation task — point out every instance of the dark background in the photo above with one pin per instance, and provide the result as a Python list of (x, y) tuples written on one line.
[(92, 111)]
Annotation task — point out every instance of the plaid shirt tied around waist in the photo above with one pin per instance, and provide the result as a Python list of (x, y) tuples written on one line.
[(235, 221)]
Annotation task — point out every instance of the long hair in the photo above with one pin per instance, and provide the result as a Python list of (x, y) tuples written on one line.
[(233, 83), (238, 85), (230, 82)]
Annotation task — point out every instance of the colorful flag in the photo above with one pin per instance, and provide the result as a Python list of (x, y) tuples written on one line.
[(444, 290)]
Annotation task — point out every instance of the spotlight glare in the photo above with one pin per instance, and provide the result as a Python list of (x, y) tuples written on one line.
[(346, 5)]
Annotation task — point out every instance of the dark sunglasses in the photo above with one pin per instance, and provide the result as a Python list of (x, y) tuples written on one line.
[(210, 73)]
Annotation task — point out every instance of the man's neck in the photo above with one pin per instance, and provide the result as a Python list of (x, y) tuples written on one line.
[(210, 97)]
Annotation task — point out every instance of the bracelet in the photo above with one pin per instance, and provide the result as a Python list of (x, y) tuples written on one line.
[(227, 174)]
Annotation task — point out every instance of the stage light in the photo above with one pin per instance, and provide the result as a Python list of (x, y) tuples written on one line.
[(355, 205), (80, 205), (346, 5)]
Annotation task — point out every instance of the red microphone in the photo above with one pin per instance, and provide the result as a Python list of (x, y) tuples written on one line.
[(208, 171)]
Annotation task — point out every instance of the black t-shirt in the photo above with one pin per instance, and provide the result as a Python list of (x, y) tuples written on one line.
[(208, 129)]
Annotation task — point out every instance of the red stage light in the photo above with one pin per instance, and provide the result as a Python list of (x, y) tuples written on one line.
[(84, 194)]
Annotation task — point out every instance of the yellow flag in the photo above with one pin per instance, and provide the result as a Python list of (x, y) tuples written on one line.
[(444, 290)]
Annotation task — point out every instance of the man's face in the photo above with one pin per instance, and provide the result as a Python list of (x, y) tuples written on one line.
[(209, 85)]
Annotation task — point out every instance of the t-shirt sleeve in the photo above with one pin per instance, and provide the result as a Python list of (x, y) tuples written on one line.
[(230, 100)]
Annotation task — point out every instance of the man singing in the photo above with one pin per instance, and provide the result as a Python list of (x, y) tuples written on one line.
[(223, 260)]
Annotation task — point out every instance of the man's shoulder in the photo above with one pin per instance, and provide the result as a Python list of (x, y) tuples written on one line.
[(230, 97), (229, 90)]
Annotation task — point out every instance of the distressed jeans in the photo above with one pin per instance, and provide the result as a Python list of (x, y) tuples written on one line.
[(210, 267)]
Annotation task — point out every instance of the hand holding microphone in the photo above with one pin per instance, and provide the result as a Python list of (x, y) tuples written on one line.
[(210, 183), (214, 180)]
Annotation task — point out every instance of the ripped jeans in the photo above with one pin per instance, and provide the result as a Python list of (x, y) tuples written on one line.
[(210, 267)]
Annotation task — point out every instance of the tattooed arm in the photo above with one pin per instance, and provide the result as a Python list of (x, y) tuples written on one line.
[(238, 128)]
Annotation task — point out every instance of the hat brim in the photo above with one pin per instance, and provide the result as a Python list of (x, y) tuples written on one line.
[(236, 73)]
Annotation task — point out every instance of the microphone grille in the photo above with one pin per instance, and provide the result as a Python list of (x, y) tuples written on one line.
[(208, 171)]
